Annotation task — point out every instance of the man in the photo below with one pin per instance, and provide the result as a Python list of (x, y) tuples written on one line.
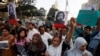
[(32, 30), (94, 45), (46, 37), (85, 33), (16, 28), (64, 32)]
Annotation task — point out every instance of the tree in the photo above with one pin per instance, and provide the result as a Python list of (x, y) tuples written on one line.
[(42, 11), (26, 8), (25, 2), (50, 17), (51, 14)]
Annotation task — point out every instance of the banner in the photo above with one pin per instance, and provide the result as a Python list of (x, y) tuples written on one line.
[(88, 17)]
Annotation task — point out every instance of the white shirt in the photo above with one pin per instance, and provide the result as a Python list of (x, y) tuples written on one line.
[(97, 36), (31, 33), (45, 38), (63, 37), (55, 51), (52, 50)]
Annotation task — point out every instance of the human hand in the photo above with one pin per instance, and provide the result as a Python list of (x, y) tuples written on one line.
[(73, 22)]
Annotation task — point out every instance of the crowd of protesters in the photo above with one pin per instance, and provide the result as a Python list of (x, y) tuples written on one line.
[(42, 41)]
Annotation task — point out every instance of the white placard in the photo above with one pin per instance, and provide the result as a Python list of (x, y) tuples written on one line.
[(61, 17), (12, 9), (4, 44)]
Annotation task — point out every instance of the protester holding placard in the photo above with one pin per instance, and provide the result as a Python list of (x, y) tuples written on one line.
[(85, 33), (94, 46), (7, 43)]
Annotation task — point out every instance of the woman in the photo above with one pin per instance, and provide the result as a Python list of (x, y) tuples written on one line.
[(57, 47), (79, 48), (36, 47), (6, 36), (21, 42)]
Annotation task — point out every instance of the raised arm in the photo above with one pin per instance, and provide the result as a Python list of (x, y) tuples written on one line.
[(71, 30)]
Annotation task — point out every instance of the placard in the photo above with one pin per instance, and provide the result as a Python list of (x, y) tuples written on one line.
[(61, 17), (88, 17), (4, 45)]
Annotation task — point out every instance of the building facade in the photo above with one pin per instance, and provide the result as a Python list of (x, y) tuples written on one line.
[(97, 2)]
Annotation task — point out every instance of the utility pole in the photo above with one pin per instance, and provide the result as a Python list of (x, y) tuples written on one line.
[(66, 5), (66, 12)]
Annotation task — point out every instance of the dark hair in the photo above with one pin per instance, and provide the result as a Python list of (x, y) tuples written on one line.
[(31, 24), (41, 27), (98, 21), (88, 27), (19, 22), (18, 37), (65, 28), (6, 21), (6, 28), (56, 36), (40, 43), (60, 13), (2, 24)]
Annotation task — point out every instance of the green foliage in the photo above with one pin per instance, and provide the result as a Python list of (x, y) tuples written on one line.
[(51, 14)]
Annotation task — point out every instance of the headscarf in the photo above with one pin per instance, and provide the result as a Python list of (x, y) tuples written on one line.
[(54, 51), (75, 51)]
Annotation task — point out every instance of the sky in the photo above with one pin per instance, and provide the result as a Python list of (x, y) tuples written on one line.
[(73, 5)]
